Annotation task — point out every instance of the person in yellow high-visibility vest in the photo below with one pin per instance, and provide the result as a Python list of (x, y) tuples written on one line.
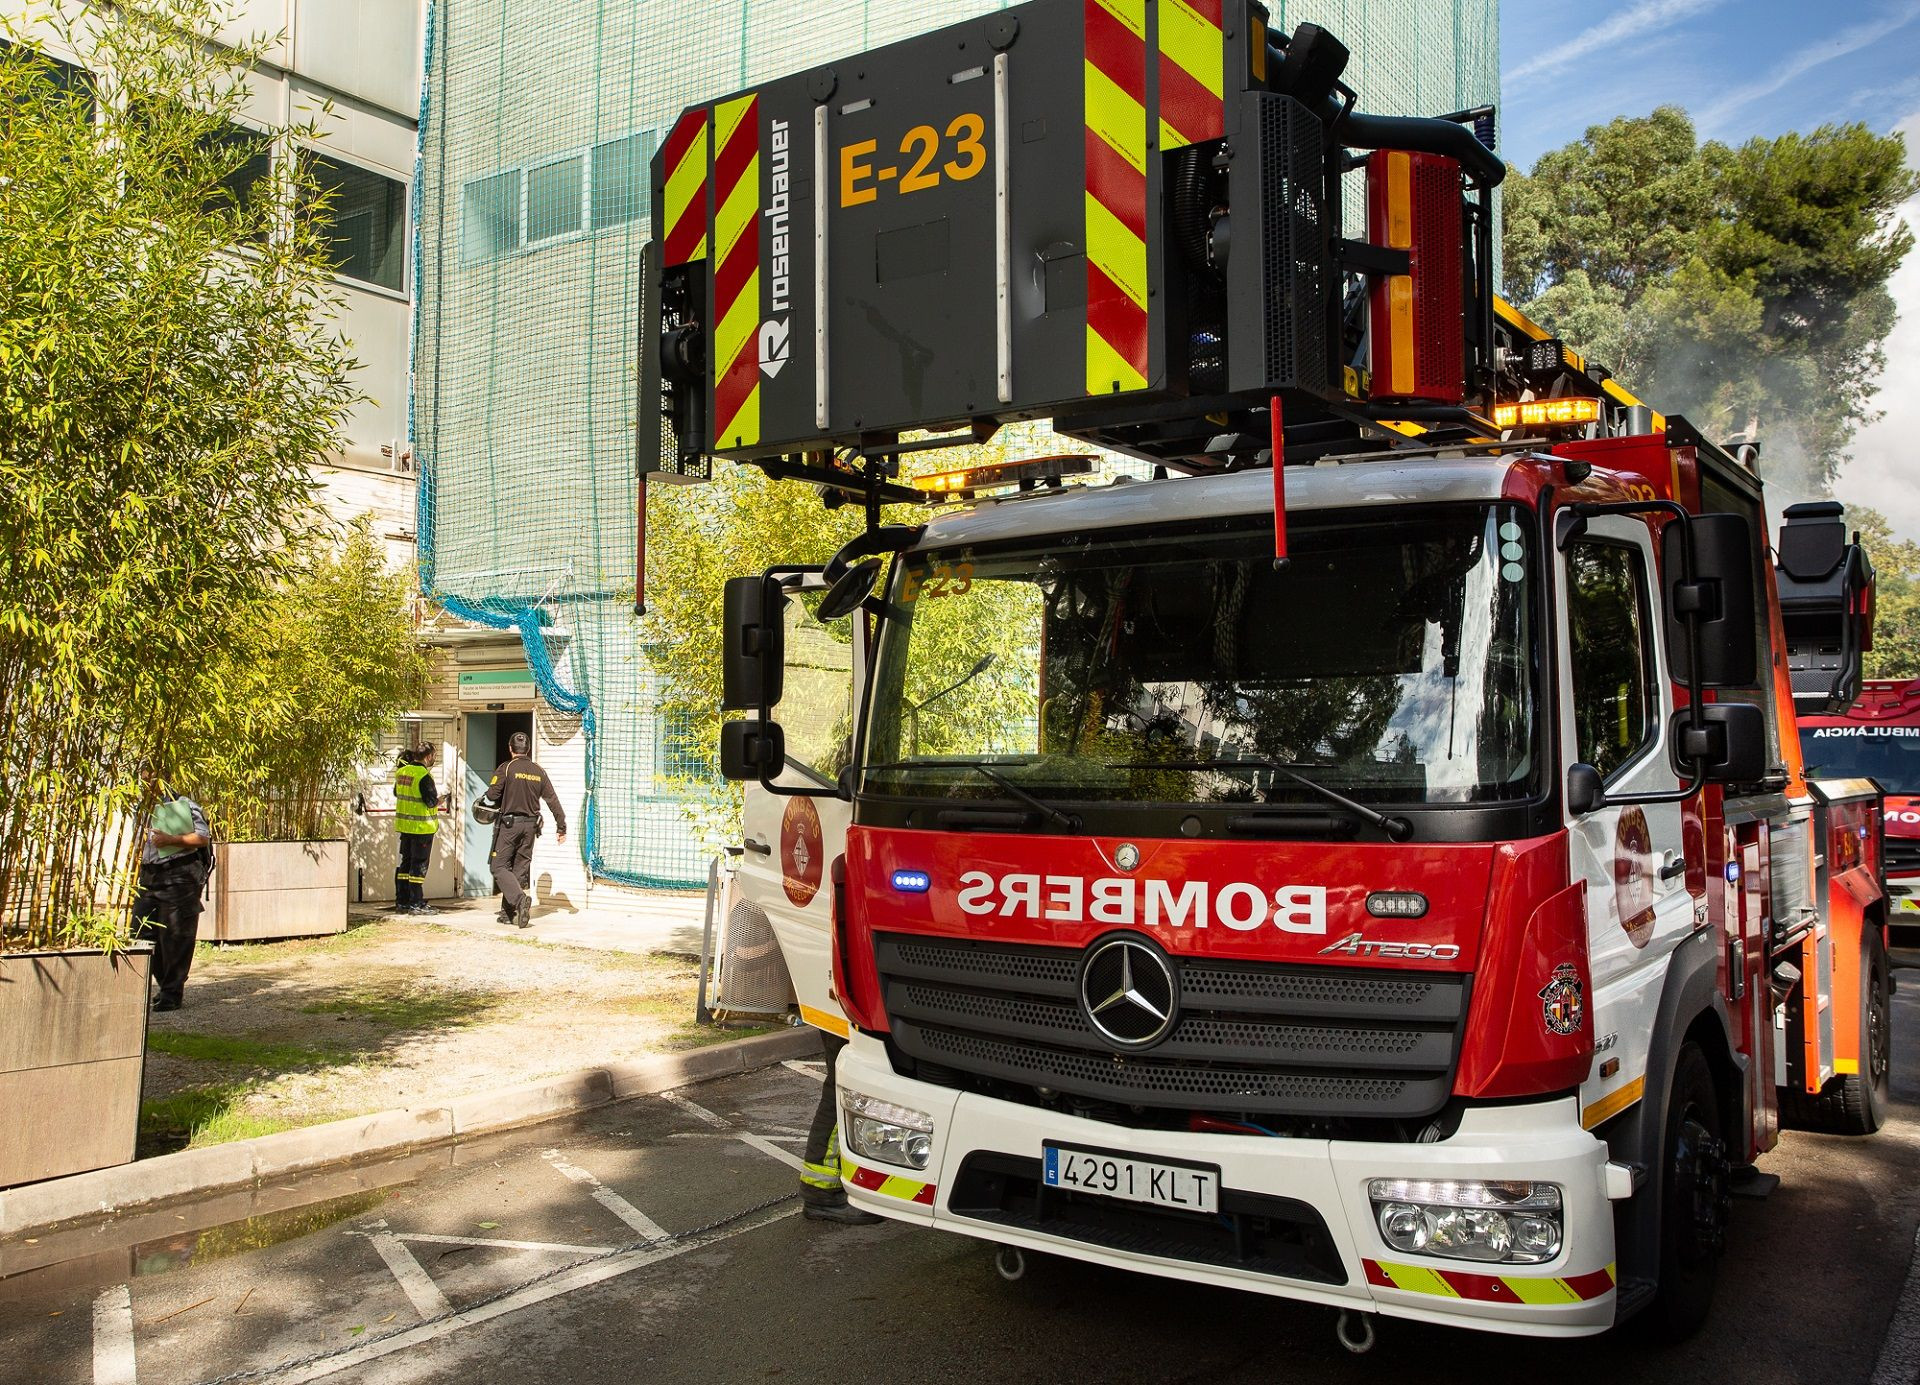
[(416, 812)]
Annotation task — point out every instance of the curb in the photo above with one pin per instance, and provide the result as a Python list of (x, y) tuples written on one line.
[(40, 1207)]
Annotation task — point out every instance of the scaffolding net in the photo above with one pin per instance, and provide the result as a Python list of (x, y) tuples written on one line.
[(538, 125)]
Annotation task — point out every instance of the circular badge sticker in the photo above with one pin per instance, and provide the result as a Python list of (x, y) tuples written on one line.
[(802, 851), (1633, 875)]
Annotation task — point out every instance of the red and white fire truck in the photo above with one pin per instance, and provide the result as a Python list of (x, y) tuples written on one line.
[(1878, 738), (1364, 859)]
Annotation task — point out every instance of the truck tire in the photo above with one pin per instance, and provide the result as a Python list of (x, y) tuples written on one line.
[(1695, 1198), (1855, 1103)]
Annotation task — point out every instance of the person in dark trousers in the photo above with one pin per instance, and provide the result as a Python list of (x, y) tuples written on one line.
[(516, 790), (174, 862), (822, 1197), (416, 813)]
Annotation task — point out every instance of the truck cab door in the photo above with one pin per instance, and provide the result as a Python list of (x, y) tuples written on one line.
[(793, 832), (1616, 699)]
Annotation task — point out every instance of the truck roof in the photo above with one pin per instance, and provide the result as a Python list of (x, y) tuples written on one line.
[(1127, 503)]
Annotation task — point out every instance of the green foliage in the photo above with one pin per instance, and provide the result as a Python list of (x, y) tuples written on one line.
[(1896, 619), (244, 1049), (162, 395), (306, 679), (1745, 288), (411, 1007), (207, 1115)]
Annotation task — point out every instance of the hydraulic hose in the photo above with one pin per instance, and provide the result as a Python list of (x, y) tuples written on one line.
[(1421, 133)]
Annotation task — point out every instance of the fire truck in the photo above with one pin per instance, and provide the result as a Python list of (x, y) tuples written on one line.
[(1364, 858), (1877, 737)]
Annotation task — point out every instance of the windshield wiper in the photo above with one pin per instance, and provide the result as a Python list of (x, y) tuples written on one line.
[(1067, 821), (1397, 828)]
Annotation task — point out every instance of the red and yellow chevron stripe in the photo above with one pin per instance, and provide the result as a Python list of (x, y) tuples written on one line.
[(736, 275), (684, 215), (1116, 199), (1193, 61), (1489, 1288), (888, 1185)]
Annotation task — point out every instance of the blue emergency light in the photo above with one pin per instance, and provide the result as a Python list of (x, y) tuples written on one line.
[(912, 881)]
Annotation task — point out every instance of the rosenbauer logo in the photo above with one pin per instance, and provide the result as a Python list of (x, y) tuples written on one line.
[(775, 330), (1153, 903)]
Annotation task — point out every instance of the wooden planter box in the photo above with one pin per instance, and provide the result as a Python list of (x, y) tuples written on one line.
[(73, 1043), (276, 890)]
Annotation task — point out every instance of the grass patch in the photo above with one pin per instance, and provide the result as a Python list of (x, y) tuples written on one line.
[(696, 1035), (208, 1115), (360, 933), (240, 1048), (410, 1007)]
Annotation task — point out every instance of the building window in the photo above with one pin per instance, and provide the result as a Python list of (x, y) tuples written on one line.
[(620, 169), (247, 155), (490, 217), (366, 226), (678, 752), (1611, 636), (61, 78), (553, 199)]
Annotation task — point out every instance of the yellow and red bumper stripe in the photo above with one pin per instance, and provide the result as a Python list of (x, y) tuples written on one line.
[(736, 275), (1489, 1288), (1116, 198), (684, 214), (1193, 61), (887, 1184)]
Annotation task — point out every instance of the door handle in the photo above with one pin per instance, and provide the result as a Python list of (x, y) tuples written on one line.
[(1674, 868), (758, 847)]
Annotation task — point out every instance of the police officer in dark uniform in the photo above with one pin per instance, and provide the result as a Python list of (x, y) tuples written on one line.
[(516, 790)]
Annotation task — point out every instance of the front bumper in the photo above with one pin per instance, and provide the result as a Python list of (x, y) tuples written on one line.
[(1573, 1295)]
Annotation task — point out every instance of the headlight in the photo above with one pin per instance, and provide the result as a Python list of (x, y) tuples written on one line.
[(1513, 1223), (887, 1132)]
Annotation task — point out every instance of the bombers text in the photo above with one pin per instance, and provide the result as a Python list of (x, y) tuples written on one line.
[(1154, 903)]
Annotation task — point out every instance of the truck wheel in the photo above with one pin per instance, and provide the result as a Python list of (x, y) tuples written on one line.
[(1694, 1198), (1856, 1103)]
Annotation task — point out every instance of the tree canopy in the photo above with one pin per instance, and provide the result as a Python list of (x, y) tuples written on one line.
[(1745, 287)]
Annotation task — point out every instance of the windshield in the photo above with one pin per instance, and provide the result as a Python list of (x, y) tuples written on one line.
[(1888, 755), (1392, 660)]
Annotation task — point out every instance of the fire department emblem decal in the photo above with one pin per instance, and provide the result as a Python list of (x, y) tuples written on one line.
[(1633, 875), (802, 851), (1563, 1001)]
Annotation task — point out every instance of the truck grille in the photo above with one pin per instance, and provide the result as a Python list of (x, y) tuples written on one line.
[(1903, 855), (1251, 1037)]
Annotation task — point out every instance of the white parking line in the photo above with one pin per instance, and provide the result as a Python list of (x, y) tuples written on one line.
[(1899, 1359), (766, 1146), (608, 1198), (696, 1110), (549, 1247), (113, 1338), (415, 1283), (584, 1277), (816, 1070)]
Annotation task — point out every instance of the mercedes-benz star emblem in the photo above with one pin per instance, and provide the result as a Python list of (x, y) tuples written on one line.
[(1128, 991), (1127, 857)]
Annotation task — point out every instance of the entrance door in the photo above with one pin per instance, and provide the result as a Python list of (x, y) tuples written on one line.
[(1617, 701), (793, 839), (487, 736)]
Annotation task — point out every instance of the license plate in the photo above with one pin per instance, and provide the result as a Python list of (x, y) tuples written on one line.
[(1187, 1187)]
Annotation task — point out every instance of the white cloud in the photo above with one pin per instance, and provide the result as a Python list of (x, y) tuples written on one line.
[(1885, 468), (1640, 21), (1816, 53)]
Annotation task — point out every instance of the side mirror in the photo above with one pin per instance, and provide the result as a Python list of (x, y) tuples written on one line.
[(843, 598), (752, 750), (1585, 793), (1722, 595), (1730, 747), (752, 649)]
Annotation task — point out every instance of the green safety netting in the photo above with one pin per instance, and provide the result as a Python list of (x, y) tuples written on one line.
[(539, 120)]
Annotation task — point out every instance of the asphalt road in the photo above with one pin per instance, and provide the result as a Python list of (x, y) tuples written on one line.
[(488, 1264)]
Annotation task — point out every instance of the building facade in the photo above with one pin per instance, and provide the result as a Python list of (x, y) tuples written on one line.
[(541, 121)]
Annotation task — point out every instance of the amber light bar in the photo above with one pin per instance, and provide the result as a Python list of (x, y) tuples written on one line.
[(1546, 413), (1027, 472)]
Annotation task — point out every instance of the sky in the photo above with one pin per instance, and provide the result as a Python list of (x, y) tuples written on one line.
[(1741, 68)]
